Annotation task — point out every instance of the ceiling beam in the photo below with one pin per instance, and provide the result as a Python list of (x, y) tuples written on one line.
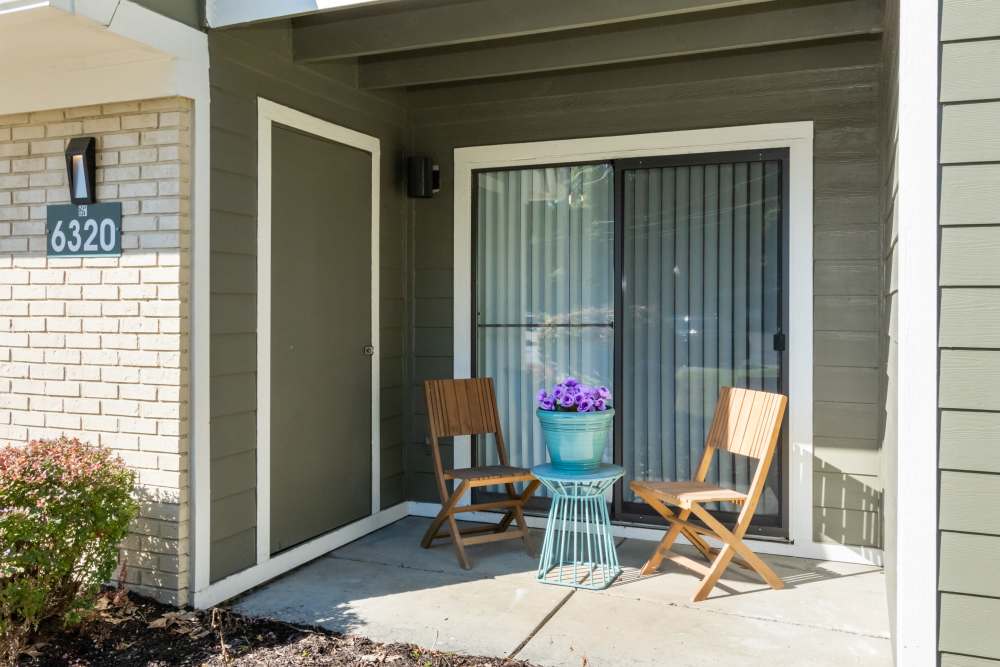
[(324, 37), (768, 25)]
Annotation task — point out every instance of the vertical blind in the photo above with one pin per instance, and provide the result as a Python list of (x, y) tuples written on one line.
[(544, 290), (702, 304)]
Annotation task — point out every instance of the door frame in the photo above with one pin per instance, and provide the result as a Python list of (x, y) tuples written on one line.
[(797, 137)]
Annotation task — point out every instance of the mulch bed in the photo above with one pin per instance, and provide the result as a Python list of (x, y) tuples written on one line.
[(130, 630)]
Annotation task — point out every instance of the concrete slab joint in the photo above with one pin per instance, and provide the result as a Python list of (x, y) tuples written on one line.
[(99, 347)]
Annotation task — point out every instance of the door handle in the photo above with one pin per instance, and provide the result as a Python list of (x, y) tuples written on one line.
[(368, 350)]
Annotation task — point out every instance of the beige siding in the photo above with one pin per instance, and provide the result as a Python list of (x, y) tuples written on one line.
[(836, 86), (247, 63), (969, 334)]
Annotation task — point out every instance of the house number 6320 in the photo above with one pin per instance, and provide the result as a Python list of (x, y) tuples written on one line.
[(88, 236)]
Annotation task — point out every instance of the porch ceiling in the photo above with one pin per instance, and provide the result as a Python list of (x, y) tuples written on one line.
[(418, 43)]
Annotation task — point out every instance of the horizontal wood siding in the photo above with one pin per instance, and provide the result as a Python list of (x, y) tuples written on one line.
[(246, 63), (834, 84), (969, 334)]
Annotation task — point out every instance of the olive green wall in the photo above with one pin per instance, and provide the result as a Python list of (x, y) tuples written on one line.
[(969, 334), (834, 84), (247, 63)]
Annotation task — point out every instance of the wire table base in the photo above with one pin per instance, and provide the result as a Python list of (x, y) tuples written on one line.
[(578, 550)]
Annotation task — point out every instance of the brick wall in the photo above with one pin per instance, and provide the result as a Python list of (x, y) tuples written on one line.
[(98, 347)]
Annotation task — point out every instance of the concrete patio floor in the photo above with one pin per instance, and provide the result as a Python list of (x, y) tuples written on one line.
[(387, 588)]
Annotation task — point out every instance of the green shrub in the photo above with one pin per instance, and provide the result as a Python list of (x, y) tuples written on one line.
[(64, 509)]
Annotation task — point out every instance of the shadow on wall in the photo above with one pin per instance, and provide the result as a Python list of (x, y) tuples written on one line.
[(847, 508), (155, 552)]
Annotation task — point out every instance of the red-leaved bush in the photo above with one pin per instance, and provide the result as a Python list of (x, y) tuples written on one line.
[(64, 509)]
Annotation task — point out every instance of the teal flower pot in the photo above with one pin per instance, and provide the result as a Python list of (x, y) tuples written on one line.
[(576, 440)]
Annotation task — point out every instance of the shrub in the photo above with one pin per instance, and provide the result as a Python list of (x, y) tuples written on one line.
[(64, 509)]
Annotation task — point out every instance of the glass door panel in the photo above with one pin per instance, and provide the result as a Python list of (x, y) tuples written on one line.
[(544, 295), (702, 302)]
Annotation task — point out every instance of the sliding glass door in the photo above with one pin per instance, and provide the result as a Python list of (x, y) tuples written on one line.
[(702, 307), (662, 277)]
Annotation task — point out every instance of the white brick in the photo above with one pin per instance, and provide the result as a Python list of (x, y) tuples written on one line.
[(62, 388), (46, 372), (119, 309), (83, 309), (48, 340), (139, 292), (99, 389), (139, 359), (99, 292), (99, 357), (67, 421), (119, 341), (46, 404), (120, 408), (106, 124), (138, 392), (84, 374), (42, 308), (84, 340), (141, 426), (100, 423), (67, 292), (100, 325), (62, 356)]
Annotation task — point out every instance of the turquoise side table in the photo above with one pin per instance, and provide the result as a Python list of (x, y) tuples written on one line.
[(578, 550)]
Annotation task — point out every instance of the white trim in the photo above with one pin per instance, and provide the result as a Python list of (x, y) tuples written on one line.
[(798, 138), (815, 550), (143, 55), (917, 252), (177, 67), (268, 113), (223, 13), (244, 580)]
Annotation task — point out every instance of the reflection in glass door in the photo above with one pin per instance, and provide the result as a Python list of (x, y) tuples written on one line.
[(701, 252)]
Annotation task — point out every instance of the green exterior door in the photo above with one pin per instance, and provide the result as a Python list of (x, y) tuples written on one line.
[(321, 373)]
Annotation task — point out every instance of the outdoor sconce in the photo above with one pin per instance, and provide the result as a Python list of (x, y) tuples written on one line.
[(81, 170), (423, 178)]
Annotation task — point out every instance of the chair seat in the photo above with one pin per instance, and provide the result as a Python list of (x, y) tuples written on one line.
[(683, 494), (488, 472)]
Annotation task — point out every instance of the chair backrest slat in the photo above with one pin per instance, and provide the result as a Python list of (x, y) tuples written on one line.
[(461, 407), (747, 421)]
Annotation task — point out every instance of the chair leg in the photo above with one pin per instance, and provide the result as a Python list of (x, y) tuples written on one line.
[(734, 544), (653, 564), (718, 567), (432, 530), (456, 537)]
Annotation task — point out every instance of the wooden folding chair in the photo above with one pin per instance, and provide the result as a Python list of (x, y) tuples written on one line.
[(747, 423), (469, 407)]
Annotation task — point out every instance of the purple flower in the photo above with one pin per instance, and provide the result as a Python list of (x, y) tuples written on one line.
[(558, 391), (600, 405), (542, 395), (578, 398), (547, 403), (571, 381), (604, 392), (567, 401), (585, 406)]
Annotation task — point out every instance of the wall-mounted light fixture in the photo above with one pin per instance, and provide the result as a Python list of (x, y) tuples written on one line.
[(81, 170), (423, 178)]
